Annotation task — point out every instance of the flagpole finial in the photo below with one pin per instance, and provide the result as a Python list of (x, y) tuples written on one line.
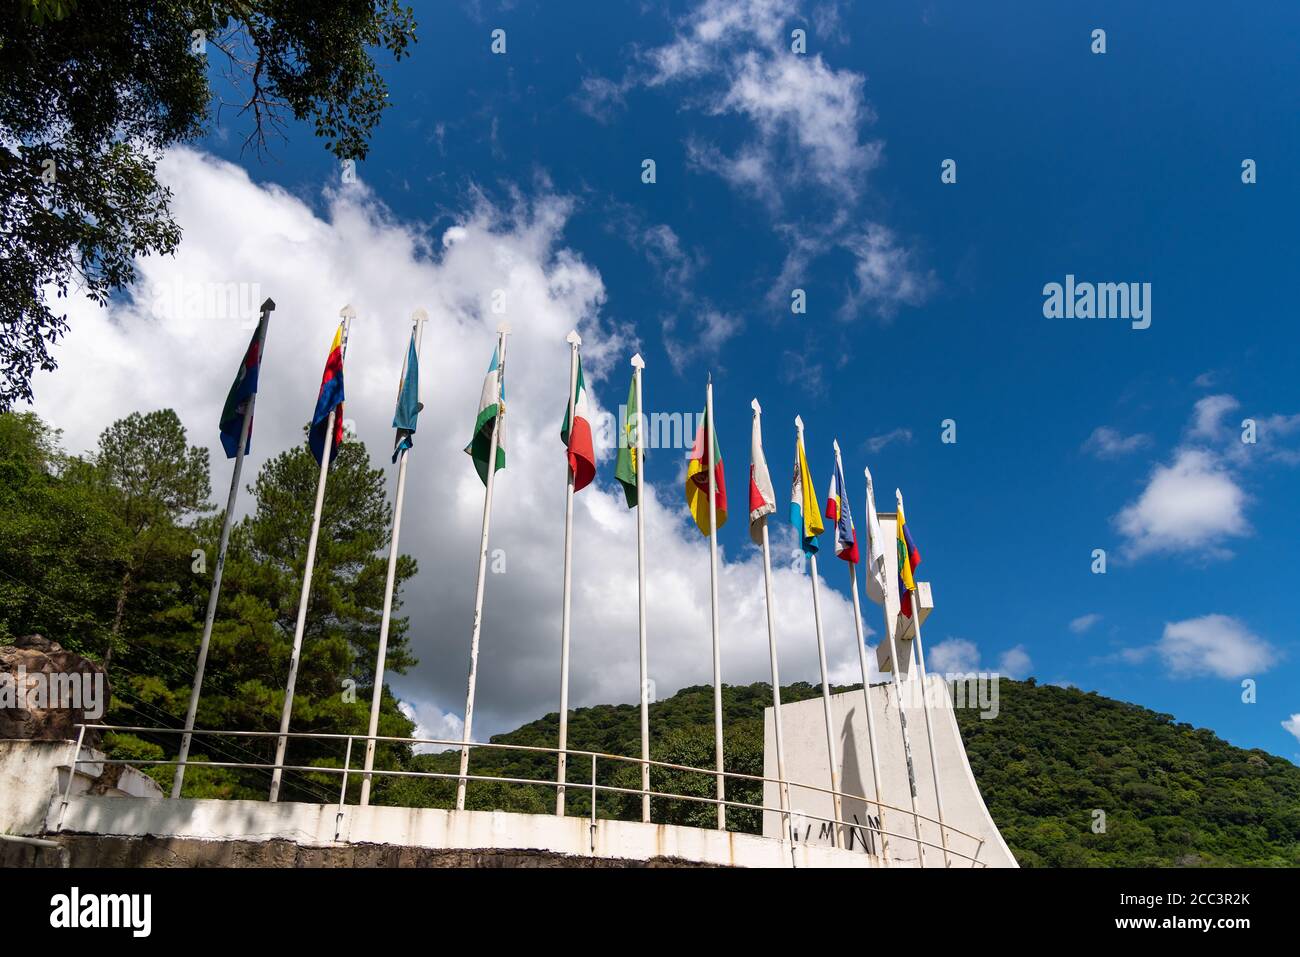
[(758, 409), (269, 305), (503, 328), (898, 495), (573, 338), (420, 315), (836, 443), (798, 423), (867, 472), (348, 312), (638, 362)]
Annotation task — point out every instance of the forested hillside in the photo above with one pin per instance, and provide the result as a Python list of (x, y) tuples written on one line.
[(1173, 795), (111, 555)]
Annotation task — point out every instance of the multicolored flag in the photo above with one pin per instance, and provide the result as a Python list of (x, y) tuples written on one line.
[(877, 562), (697, 478), (762, 497), (837, 511), (577, 438), (491, 402), (409, 405), (804, 514), (629, 453), (241, 391), (909, 557), (329, 399)]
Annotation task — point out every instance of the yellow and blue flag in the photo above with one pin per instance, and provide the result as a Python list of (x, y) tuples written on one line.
[(805, 516)]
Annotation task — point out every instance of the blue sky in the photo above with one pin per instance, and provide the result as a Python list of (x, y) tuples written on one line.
[(821, 171)]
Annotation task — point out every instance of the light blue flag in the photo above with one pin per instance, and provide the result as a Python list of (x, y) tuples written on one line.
[(408, 403)]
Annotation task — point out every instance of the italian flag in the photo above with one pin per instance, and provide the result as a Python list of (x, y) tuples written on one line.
[(576, 435)]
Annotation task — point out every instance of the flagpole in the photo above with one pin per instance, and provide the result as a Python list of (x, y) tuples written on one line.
[(925, 700), (245, 427), (826, 688), (890, 629), (783, 787), (467, 732), (347, 312), (574, 340), (866, 681), (713, 602), (638, 364), (419, 317)]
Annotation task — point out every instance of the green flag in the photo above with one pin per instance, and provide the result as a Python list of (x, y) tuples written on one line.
[(628, 452), (493, 398)]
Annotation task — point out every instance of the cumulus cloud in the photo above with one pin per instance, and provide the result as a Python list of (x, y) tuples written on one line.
[(1084, 623), (1108, 443), (960, 656), (1192, 504), (1015, 662), (1292, 725), (1216, 645), (954, 655), (354, 250)]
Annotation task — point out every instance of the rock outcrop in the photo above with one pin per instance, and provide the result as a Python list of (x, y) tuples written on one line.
[(46, 691)]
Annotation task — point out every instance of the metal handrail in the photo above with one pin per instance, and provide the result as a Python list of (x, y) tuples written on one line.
[(593, 787)]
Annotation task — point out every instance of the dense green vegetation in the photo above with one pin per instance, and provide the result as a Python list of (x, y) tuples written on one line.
[(1173, 795), (111, 555)]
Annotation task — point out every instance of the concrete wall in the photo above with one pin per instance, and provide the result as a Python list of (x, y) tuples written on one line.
[(804, 732), (32, 773), (323, 826)]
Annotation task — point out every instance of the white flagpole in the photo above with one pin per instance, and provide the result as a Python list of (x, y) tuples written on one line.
[(783, 787), (826, 687), (467, 732), (925, 699), (419, 317), (866, 681), (348, 313), (244, 428), (890, 631), (638, 364), (713, 601), (574, 340)]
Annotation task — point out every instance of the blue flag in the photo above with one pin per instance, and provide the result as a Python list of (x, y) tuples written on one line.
[(408, 403)]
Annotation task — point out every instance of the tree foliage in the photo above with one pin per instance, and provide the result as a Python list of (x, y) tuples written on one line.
[(91, 94), (73, 529)]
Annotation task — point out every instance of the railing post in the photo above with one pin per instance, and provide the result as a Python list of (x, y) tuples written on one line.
[(343, 791), (593, 790), (72, 773)]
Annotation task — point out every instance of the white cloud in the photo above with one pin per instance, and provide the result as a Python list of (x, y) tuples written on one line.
[(432, 722), (355, 251), (1207, 416), (1292, 725), (959, 656), (885, 272), (1213, 645), (705, 334), (1108, 443), (955, 655), (1190, 505), (1084, 623), (878, 442), (1015, 662)]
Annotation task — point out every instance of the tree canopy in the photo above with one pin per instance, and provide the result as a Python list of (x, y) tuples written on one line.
[(112, 555), (91, 94)]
